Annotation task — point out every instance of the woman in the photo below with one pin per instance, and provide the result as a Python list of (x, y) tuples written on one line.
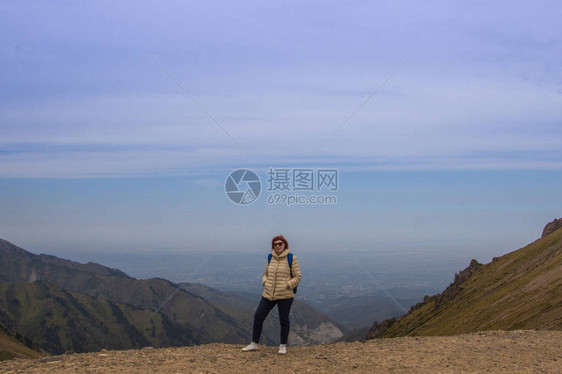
[(279, 280)]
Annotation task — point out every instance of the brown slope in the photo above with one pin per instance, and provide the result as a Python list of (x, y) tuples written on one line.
[(13, 345), (520, 290)]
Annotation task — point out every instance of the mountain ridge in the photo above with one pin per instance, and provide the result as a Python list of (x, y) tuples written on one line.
[(148, 312), (44, 263)]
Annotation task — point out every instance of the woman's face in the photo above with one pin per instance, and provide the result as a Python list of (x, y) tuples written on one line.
[(279, 246)]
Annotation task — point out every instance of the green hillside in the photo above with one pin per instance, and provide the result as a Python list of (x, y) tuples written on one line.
[(59, 320), (185, 318), (520, 290)]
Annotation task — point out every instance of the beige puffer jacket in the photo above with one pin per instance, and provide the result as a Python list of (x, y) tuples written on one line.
[(277, 276)]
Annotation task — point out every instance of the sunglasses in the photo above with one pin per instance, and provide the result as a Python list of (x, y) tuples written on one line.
[(278, 243)]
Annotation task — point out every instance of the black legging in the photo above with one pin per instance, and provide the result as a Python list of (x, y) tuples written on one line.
[(264, 307)]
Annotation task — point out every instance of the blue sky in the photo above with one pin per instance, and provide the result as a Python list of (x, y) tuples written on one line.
[(101, 148)]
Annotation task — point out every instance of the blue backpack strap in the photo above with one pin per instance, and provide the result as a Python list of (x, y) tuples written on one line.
[(290, 260), (269, 258)]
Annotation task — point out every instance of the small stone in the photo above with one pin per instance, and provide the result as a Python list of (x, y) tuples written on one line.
[(51, 359)]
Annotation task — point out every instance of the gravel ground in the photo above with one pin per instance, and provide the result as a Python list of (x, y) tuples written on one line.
[(490, 351)]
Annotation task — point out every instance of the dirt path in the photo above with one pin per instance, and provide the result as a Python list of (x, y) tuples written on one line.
[(492, 351)]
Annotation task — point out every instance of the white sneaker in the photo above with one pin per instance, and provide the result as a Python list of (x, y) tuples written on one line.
[(250, 347), (283, 349)]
